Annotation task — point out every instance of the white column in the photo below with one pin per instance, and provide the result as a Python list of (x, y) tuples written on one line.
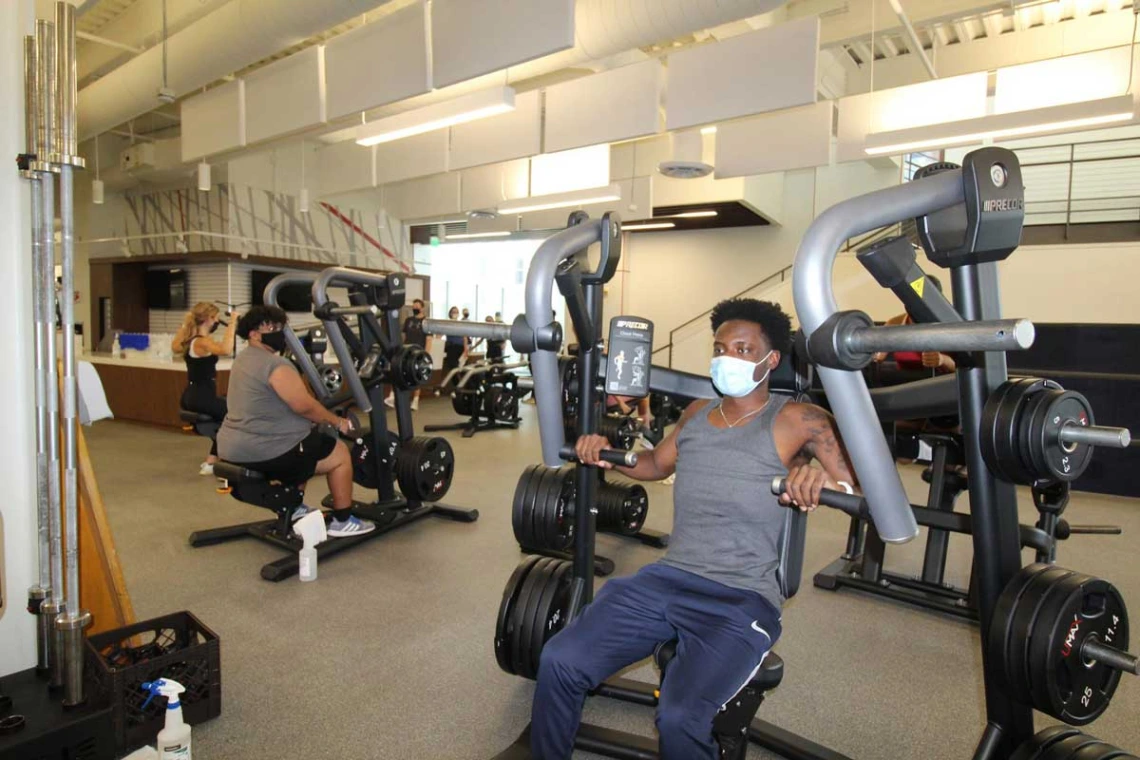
[(18, 444)]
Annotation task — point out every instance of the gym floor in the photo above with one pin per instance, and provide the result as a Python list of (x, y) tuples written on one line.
[(389, 653)]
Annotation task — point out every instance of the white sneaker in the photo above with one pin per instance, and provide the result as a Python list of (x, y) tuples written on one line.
[(415, 405), (206, 469), (390, 401), (353, 526)]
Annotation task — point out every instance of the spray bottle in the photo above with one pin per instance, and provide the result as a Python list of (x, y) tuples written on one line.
[(311, 529), (174, 738)]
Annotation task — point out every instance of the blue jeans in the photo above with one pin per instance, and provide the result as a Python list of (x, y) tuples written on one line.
[(723, 635)]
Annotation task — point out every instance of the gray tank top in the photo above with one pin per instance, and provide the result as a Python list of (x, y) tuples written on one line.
[(726, 522), (259, 425)]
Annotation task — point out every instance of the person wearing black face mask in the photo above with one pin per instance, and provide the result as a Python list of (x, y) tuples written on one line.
[(200, 351), (414, 335), (272, 422)]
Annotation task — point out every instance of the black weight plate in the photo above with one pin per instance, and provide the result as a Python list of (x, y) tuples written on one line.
[(544, 507), (553, 597), (998, 641), (555, 614), (1009, 404), (1065, 685), (521, 615), (1031, 420), (1065, 748), (461, 402), (1037, 646), (528, 603), (1024, 613), (506, 609), (518, 504), (1064, 463), (532, 644), (425, 468), (1031, 749), (556, 509), (537, 506), (564, 530), (1100, 752), (995, 414), (1013, 453), (635, 508), (527, 525)]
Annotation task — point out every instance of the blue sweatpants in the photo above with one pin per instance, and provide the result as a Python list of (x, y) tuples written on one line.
[(724, 634)]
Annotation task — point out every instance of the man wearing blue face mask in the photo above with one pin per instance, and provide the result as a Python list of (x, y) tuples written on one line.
[(716, 589)]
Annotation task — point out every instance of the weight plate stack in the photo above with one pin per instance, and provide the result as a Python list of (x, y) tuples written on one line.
[(622, 508), (501, 403), (331, 378), (620, 430), (364, 464), (1041, 621), (504, 627), (1051, 458), (410, 367), (424, 468), (1064, 743), (542, 512), (568, 376), (464, 401)]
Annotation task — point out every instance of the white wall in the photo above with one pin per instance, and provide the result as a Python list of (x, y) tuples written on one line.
[(17, 449)]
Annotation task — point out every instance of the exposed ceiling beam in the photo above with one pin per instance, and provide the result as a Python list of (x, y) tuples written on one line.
[(863, 50), (109, 43), (963, 31), (993, 24), (886, 46), (915, 44)]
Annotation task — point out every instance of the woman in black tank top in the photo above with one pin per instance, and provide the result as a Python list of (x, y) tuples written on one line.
[(200, 351)]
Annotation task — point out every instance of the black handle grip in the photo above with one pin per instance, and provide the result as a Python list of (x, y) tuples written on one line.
[(613, 456), (853, 505)]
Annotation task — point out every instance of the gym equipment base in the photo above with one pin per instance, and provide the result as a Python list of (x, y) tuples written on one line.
[(50, 730), (626, 746), (946, 599), (386, 516), (473, 426)]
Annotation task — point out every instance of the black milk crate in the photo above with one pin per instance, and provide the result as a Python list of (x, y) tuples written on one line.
[(176, 646)]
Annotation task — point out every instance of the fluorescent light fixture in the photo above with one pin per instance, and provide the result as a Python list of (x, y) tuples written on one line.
[(477, 105), (1017, 124), (708, 130), (648, 226), (692, 215), (562, 200), (475, 235)]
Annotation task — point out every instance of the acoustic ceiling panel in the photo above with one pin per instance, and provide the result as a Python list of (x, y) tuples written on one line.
[(416, 156), (286, 96), (500, 138), (473, 38), (378, 63), (213, 121), (752, 73), (795, 138), (629, 97)]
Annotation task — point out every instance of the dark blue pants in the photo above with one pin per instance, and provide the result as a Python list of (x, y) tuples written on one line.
[(724, 634)]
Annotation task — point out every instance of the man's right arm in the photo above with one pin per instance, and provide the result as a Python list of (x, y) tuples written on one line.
[(657, 464)]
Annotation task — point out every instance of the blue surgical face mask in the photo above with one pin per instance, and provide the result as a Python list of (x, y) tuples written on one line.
[(733, 376)]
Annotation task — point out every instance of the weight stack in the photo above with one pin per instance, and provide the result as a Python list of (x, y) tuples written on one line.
[(622, 507), (542, 512)]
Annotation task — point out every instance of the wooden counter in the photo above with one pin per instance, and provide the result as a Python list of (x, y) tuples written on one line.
[(147, 391)]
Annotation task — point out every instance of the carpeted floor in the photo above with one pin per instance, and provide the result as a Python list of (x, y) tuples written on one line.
[(388, 654)]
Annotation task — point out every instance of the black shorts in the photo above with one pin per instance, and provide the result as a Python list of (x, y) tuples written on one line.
[(299, 463)]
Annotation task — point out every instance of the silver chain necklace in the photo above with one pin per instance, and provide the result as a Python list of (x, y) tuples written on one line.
[(744, 417)]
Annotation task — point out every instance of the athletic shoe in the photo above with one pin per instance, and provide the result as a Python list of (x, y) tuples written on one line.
[(300, 512), (390, 401), (206, 469), (353, 526), (415, 405)]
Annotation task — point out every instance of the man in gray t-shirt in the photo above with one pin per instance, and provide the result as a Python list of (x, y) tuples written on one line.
[(716, 589), (270, 424)]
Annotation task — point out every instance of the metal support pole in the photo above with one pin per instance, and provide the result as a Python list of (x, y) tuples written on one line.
[(73, 620), (993, 503), (586, 478)]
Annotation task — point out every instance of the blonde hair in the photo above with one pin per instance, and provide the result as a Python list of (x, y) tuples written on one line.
[(189, 327)]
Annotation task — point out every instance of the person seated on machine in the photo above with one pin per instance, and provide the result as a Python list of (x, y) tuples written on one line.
[(194, 342), (271, 426), (716, 589)]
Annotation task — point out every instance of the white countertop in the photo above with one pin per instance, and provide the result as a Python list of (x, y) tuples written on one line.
[(145, 361)]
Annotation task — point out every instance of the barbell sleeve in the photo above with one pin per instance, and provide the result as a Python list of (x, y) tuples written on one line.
[(486, 330), (1092, 649), (351, 311), (613, 456), (992, 335), (856, 506), (1095, 435)]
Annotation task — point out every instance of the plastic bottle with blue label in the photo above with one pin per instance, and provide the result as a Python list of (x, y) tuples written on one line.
[(173, 741)]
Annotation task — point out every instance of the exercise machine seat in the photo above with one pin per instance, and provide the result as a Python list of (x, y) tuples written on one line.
[(254, 488), (203, 424), (767, 677), (194, 417)]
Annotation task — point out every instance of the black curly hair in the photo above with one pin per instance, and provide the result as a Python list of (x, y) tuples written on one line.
[(774, 323), (259, 315)]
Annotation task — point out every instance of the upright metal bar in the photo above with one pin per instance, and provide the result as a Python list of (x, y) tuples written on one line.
[(815, 303), (586, 478), (40, 592), (993, 502), (46, 75), (73, 620), (940, 496)]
